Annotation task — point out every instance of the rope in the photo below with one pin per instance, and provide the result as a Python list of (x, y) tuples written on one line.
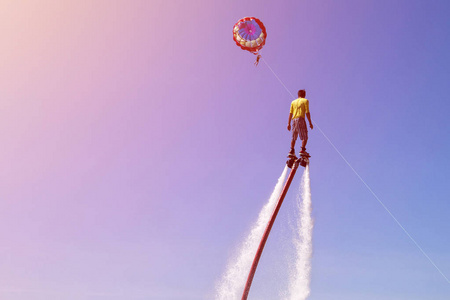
[(362, 180)]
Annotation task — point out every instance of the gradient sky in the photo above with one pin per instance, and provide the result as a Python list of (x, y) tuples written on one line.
[(138, 144)]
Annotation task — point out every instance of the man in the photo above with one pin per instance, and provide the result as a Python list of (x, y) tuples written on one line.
[(299, 108)]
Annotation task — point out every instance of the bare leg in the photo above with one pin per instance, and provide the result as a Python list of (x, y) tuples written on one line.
[(304, 144), (293, 144)]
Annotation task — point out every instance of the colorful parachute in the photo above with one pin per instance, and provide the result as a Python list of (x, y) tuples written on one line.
[(250, 34)]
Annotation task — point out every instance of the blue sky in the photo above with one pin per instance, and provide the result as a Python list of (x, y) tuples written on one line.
[(140, 144), (375, 73)]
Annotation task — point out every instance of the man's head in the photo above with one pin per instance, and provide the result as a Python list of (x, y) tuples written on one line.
[(301, 93)]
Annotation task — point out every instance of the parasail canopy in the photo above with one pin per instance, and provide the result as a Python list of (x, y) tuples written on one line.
[(250, 34)]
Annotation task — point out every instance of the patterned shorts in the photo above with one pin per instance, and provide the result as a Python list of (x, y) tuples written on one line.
[(299, 129)]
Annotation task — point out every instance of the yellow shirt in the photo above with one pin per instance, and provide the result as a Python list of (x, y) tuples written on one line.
[(299, 107)]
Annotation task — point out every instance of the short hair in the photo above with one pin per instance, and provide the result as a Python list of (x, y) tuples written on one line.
[(302, 93)]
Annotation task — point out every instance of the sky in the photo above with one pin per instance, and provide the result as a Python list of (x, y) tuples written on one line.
[(138, 144)]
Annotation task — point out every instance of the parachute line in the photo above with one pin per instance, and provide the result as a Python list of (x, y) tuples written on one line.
[(382, 204), (277, 77), (362, 180)]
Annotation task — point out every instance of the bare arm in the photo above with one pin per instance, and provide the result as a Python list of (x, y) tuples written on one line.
[(309, 119), (289, 122)]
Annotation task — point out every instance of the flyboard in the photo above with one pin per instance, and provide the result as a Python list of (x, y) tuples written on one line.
[(303, 160), (293, 162)]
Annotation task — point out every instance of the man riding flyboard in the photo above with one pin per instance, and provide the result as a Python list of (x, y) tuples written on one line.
[(299, 108)]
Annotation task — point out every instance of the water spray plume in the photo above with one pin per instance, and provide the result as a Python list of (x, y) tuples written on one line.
[(300, 279), (232, 283)]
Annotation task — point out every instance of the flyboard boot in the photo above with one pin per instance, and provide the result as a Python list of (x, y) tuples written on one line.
[(291, 158), (304, 157)]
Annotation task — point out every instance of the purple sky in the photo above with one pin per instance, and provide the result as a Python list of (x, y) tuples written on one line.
[(138, 144)]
